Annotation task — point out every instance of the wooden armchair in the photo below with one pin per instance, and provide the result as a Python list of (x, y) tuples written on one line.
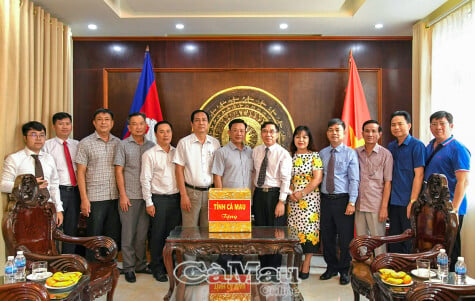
[(28, 291), (30, 226), (440, 292), (432, 222)]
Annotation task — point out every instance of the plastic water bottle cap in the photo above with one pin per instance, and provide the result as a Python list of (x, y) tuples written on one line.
[(19, 253), (10, 258), (460, 258), (442, 250)]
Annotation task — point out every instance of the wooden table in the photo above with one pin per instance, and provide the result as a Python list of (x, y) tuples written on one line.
[(262, 240), (37, 291), (389, 292)]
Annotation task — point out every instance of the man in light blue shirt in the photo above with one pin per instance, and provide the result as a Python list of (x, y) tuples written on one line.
[(232, 165), (232, 168), (339, 191)]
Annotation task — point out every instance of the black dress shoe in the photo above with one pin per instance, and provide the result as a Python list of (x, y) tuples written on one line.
[(145, 270), (344, 279), (327, 275), (303, 275), (121, 271), (130, 277), (160, 277)]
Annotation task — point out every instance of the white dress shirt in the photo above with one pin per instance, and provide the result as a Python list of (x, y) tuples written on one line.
[(55, 148), (22, 162), (158, 173), (197, 159), (279, 168)]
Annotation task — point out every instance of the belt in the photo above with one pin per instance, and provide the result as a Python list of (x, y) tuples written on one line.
[(166, 195), (68, 188), (268, 189), (197, 187), (335, 195)]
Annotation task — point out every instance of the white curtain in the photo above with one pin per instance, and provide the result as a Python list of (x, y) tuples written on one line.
[(35, 73), (453, 90)]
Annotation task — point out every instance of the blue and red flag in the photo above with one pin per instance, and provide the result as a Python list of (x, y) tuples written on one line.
[(146, 99)]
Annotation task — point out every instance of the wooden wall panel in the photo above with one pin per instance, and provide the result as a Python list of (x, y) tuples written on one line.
[(307, 94), (294, 74)]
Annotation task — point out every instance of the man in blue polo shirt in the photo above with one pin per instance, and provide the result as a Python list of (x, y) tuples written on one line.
[(448, 156), (408, 174)]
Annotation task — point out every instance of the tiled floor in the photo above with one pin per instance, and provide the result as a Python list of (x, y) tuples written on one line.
[(147, 288)]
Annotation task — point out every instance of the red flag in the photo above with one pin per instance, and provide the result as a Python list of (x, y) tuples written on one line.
[(355, 109), (146, 99)]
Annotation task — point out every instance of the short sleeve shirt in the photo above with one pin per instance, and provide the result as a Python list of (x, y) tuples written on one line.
[(129, 155), (98, 157), (452, 157), (197, 159), (407, 156), (375, 169), (234, 166)]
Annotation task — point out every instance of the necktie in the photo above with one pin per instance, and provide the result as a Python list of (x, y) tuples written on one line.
[(38, 167), (331, 173), (262, 172), (69, 162)]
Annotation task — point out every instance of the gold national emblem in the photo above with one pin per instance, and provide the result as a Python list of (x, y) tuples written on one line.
[(253, 105)]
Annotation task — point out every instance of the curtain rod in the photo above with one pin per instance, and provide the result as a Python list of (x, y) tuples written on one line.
[(445, 14)]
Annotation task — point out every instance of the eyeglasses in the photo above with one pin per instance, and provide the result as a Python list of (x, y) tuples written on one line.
[(272, 132), (35, 135)]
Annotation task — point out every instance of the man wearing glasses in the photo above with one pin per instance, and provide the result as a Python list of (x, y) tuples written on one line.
[(447, 156), (32, 160)]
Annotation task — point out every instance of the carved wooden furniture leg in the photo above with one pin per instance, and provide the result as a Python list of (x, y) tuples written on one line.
[(115, 279), (168, 258)]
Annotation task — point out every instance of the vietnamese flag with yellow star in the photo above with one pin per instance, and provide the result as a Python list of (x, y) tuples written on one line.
[(355, 109)]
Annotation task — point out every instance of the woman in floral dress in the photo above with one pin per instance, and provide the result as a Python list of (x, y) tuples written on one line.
[(304, 204)]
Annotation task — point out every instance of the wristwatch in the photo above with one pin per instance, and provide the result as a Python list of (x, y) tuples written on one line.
[(351, 204)]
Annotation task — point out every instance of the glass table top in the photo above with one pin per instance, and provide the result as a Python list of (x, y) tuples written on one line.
[(258, 233)]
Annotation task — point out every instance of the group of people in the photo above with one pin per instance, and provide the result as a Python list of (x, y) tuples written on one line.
[(126, 187)]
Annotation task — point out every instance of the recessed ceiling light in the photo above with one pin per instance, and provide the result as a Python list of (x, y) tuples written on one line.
[(117, 48), (92, 26), (276, 48), (191, 48), (179, 26), (284, 26), (379, 26)]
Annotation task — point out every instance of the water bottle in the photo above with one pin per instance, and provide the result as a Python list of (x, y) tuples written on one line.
[(460, 271), (20, 263), (442, 264), (10, 270)]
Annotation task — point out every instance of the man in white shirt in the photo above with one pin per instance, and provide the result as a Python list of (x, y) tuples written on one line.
[(63, 150), (194, 159), (160, 192), (32, 160), (272, 167)]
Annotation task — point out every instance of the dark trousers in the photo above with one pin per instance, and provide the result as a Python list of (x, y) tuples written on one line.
[(263, 208), (104, 220), (334, 223), (398, 223), (71, 206), (167, 217), (457, 250)]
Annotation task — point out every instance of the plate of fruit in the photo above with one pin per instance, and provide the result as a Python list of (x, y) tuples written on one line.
[(394, 278), (61, 281)]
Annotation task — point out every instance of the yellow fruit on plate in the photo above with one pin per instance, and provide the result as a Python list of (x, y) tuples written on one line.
[(398, 275), (407, 279), (394, 281), (60, 279)]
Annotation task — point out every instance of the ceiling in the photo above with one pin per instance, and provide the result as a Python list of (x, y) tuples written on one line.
[(158, 18)]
